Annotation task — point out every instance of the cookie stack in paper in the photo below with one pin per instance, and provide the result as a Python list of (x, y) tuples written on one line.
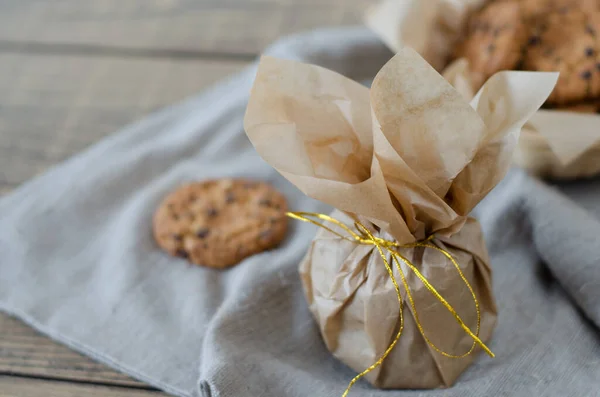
[(539, 35), (469, 40), (403, 164)]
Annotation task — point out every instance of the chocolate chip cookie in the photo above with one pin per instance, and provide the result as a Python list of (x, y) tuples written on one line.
[(538, 35), (495, 40), (217, 223), (567, 42)]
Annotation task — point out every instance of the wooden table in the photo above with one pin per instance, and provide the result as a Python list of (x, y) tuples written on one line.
[(74, 71)]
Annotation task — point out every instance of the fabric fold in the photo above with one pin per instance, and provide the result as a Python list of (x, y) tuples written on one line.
[(560, 237)]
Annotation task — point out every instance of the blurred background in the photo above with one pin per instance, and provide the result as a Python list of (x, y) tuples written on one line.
[(75, 71)]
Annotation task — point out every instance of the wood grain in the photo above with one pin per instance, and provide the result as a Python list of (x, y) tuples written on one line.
[(23, 351), (52, 107), (208, 26), (18, 387)]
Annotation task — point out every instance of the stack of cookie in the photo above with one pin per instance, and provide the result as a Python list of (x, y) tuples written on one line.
[(539, 35)]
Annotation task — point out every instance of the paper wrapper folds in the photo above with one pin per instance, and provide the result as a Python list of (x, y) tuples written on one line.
[(353, 299), (553, 143), (410, 158)]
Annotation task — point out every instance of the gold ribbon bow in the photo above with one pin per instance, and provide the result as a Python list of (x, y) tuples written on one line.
[(362, 235)]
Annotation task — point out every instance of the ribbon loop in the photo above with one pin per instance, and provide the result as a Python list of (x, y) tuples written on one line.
[(362, 235)]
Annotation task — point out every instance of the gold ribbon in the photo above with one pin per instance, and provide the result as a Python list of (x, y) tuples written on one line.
[(363, 236)]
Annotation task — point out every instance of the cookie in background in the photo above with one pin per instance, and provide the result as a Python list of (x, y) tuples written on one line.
[(470, 40), (538, 35)]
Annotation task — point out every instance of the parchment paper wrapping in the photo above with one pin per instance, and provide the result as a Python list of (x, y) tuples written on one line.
[(556, 144), (410, 158)]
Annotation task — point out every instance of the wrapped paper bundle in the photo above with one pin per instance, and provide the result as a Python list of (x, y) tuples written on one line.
[(554, 143), (403, 163)]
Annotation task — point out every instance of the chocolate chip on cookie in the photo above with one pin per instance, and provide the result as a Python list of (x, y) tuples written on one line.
[(494, 41), (230, 220)]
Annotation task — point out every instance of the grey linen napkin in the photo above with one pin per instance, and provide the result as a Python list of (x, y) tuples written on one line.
[(77, 262)]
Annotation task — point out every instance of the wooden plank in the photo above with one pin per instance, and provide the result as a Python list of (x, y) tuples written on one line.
[(214, 26), (25, 352), (54, 106), (17, 387), (5, 189)]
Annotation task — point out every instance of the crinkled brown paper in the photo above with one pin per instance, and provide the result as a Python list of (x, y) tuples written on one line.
[(555, 143), (409, 158)]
